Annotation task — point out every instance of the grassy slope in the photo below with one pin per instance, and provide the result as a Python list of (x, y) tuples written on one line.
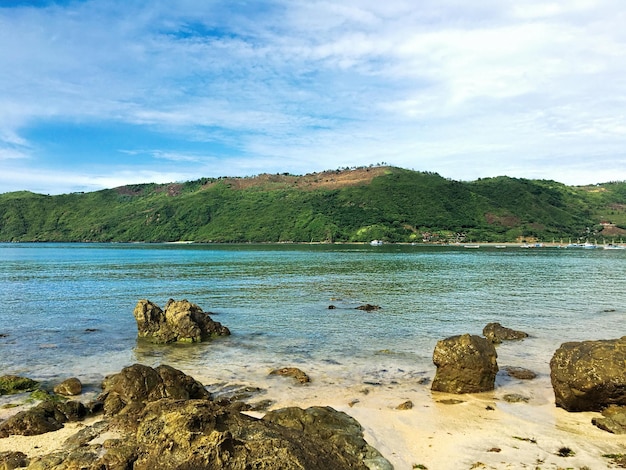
[(351, 205)]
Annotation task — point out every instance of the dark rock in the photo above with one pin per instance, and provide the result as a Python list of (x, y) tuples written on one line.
[(294, 372), (45, 417), (613, 420), (520, 373), (198, 434), (137, 385), (69, 387), (12, 384), (465, 364), (589, 375), (181, 321), (407, 405), (496, 333), (11, 460), (331, 426), (368, 307)]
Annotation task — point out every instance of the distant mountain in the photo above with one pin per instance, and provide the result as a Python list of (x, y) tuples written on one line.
[(351, 205)]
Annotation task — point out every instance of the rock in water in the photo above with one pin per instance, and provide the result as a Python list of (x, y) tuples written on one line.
[(465, 364), (589, 375), (181, 321), (69, 387), (496, 333)]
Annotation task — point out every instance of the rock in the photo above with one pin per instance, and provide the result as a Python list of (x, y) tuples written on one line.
[(515, 398), (136, 385), (45, 417), (331, 426), (294, 372), (589, 375), (407, 405), (496, 333), (12, 384), (11, 460), (465, 364), (368, 307), (520, 373), (613, 421), (197, 433), (69, 387), (181, 321)]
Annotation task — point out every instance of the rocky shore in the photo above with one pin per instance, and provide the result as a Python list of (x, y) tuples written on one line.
[(473, 413)]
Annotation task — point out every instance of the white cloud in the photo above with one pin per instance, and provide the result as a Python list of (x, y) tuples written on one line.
[(470, 88)]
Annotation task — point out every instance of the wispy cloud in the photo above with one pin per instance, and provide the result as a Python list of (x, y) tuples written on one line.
[(529, 89)]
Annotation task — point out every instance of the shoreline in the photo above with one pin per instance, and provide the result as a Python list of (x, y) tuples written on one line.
[(440, 431)]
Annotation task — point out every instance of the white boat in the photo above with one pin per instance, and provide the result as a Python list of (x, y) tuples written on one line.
[(376, 242), (590, 246), (471, 246), (611, 246)]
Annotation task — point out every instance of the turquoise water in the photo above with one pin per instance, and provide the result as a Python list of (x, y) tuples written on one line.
[(67, 308)]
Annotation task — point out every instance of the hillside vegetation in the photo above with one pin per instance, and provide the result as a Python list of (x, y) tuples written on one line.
[(352, 205)]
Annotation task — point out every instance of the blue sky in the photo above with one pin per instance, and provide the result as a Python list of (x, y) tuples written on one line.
[(101, 93)]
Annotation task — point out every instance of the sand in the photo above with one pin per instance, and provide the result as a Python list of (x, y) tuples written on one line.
[(440, 431)]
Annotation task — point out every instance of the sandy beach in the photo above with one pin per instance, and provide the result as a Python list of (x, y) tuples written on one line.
[(439, 432)]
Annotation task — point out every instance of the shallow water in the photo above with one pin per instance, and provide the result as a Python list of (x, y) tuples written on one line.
[(67, 308)]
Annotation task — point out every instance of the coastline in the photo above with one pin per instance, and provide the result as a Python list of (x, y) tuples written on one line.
[(440, 431)]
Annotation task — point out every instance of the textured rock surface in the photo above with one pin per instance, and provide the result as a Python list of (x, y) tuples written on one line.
[(589, 375), (465, 364), (167, 422), (294, 372), (496, 333), (136, 385), (69, 387), (10, 384), (181, 321), (613, 420), (45, 417), (332, 426)]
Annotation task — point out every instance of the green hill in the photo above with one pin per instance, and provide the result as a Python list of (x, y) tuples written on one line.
[(356, 205)]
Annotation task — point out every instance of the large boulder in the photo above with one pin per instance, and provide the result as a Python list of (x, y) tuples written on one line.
[(589, 375), (333, 426), (175, 426), (496, 333), (181, 321), (137, 385), (465, 364)]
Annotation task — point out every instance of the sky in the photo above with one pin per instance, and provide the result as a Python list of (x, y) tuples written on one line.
[(102, 93)]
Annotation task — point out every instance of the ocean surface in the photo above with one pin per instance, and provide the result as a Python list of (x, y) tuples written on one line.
[(67, 309)]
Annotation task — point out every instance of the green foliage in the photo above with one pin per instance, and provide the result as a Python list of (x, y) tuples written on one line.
[(394, 205)]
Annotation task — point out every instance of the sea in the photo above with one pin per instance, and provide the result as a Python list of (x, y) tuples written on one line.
[(66, 310)]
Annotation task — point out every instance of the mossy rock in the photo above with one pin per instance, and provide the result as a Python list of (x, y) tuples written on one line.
[(12, 384)]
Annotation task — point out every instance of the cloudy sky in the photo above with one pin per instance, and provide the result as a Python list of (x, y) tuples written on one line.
[(101, 93)]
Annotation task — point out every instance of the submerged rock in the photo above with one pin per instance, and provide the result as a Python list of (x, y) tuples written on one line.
[(465, 364), (496, 333), (589, 375), (294, 372), (181, 321), (368, 307)]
